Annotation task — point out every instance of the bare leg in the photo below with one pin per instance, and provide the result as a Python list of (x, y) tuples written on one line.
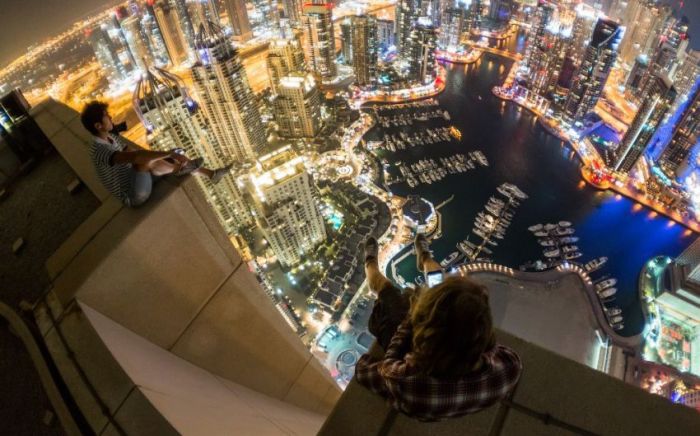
[(429, 264), (204, 172), (424, 259), (376, 280)]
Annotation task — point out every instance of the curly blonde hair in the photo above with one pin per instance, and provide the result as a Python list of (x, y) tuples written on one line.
[(452, 327)]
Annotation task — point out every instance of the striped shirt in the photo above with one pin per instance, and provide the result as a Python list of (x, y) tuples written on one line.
[(117, 178)]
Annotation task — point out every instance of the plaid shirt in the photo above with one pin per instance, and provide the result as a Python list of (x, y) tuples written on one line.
[(428, 398)]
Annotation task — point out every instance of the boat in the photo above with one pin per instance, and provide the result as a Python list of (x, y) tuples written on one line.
[(605, 284), (449, 259), (569, 248), (596, 264), (616, 319), (614, 311), (455, 133), (572, 256), (618, 326), (550, 227), (548, 242), (541, 234), (552, 253), (564, 224), (569, 239), (607, 293), (565, 231)]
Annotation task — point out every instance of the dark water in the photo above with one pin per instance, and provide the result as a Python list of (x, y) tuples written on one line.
[(521, 152)]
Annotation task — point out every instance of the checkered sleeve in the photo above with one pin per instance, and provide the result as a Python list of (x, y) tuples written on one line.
[(367, 374)]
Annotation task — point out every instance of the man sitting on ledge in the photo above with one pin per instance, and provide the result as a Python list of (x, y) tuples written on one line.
[(441, 358), (127, 170)]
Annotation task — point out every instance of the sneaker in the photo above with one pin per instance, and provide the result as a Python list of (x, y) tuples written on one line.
[(220, 173), (422, 248), (190, 166), (371, 249)]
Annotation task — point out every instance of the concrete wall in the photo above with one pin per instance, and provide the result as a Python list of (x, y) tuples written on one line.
[(168, 273), (555, 396)]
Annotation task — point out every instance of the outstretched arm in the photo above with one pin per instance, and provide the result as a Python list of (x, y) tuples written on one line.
[(145, 157)]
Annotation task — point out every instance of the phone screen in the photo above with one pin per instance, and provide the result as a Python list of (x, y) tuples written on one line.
[(434, 278)]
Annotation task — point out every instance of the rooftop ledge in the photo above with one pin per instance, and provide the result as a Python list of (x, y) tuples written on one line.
[(555, 396)]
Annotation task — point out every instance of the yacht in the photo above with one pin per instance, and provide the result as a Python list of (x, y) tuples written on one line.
[(449, 259), (535, 228), (608, 293), (605, 284), (569, 248), (541, 234), (569, 239), (616, 319), (564, 224), (549, 227), (455, 133), (552, 253), (565, 231), (548, 242), (595, 264), (614, 311), (572, 256), (619, 326)]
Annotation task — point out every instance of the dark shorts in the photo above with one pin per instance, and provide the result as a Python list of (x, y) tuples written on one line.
[(390, 309), (141, 188)]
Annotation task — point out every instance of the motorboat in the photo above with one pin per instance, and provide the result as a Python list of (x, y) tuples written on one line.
[(565, 231), (596, 264), (535, 228), (616, 319), (564, 224), (449, 259), (552, 253), (605, 284), (548, 242), (614, 311), (541, 234), (550, 226), (607, 293), (569, 239), (569, 248), (572, 256), (619, 326)]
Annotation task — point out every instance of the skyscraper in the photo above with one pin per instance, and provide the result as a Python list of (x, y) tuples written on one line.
[(451, 28), (594, 71), (421, 60), (107, 53), (170, 28), (284, 57), (137, 42), (658, 97), (186, 23), (687, 73), (645, 20), (172, 120), (292, 11), (319, 42), (475, 16), (346, 41), (202, 12), (364, 49), (406, 15), (685, 136), (225, 95), (584, 22), (385, 34), (238, 19), (501, 10), (286, 208), (538, 38), (154, 37), (297, 106)]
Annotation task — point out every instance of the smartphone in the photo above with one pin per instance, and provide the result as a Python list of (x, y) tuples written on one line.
[(434, 278)]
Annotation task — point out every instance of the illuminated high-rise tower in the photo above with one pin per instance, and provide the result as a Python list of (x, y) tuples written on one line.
[(285, 205), (594, 71), (581, 33), (685, 136), (364, 48), (645, 20), (170, 28), (202, 12), (297, 106), (292, 11), (421, 60), (658, 97), (107, 51), (451, 28), (186, 23), (319, 42), (238, 19), (154, 37), (538, 38), (346, 41), (172, 120), (475, 15), (137, 41), (406, 15), (284, 57), (222, 86)]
